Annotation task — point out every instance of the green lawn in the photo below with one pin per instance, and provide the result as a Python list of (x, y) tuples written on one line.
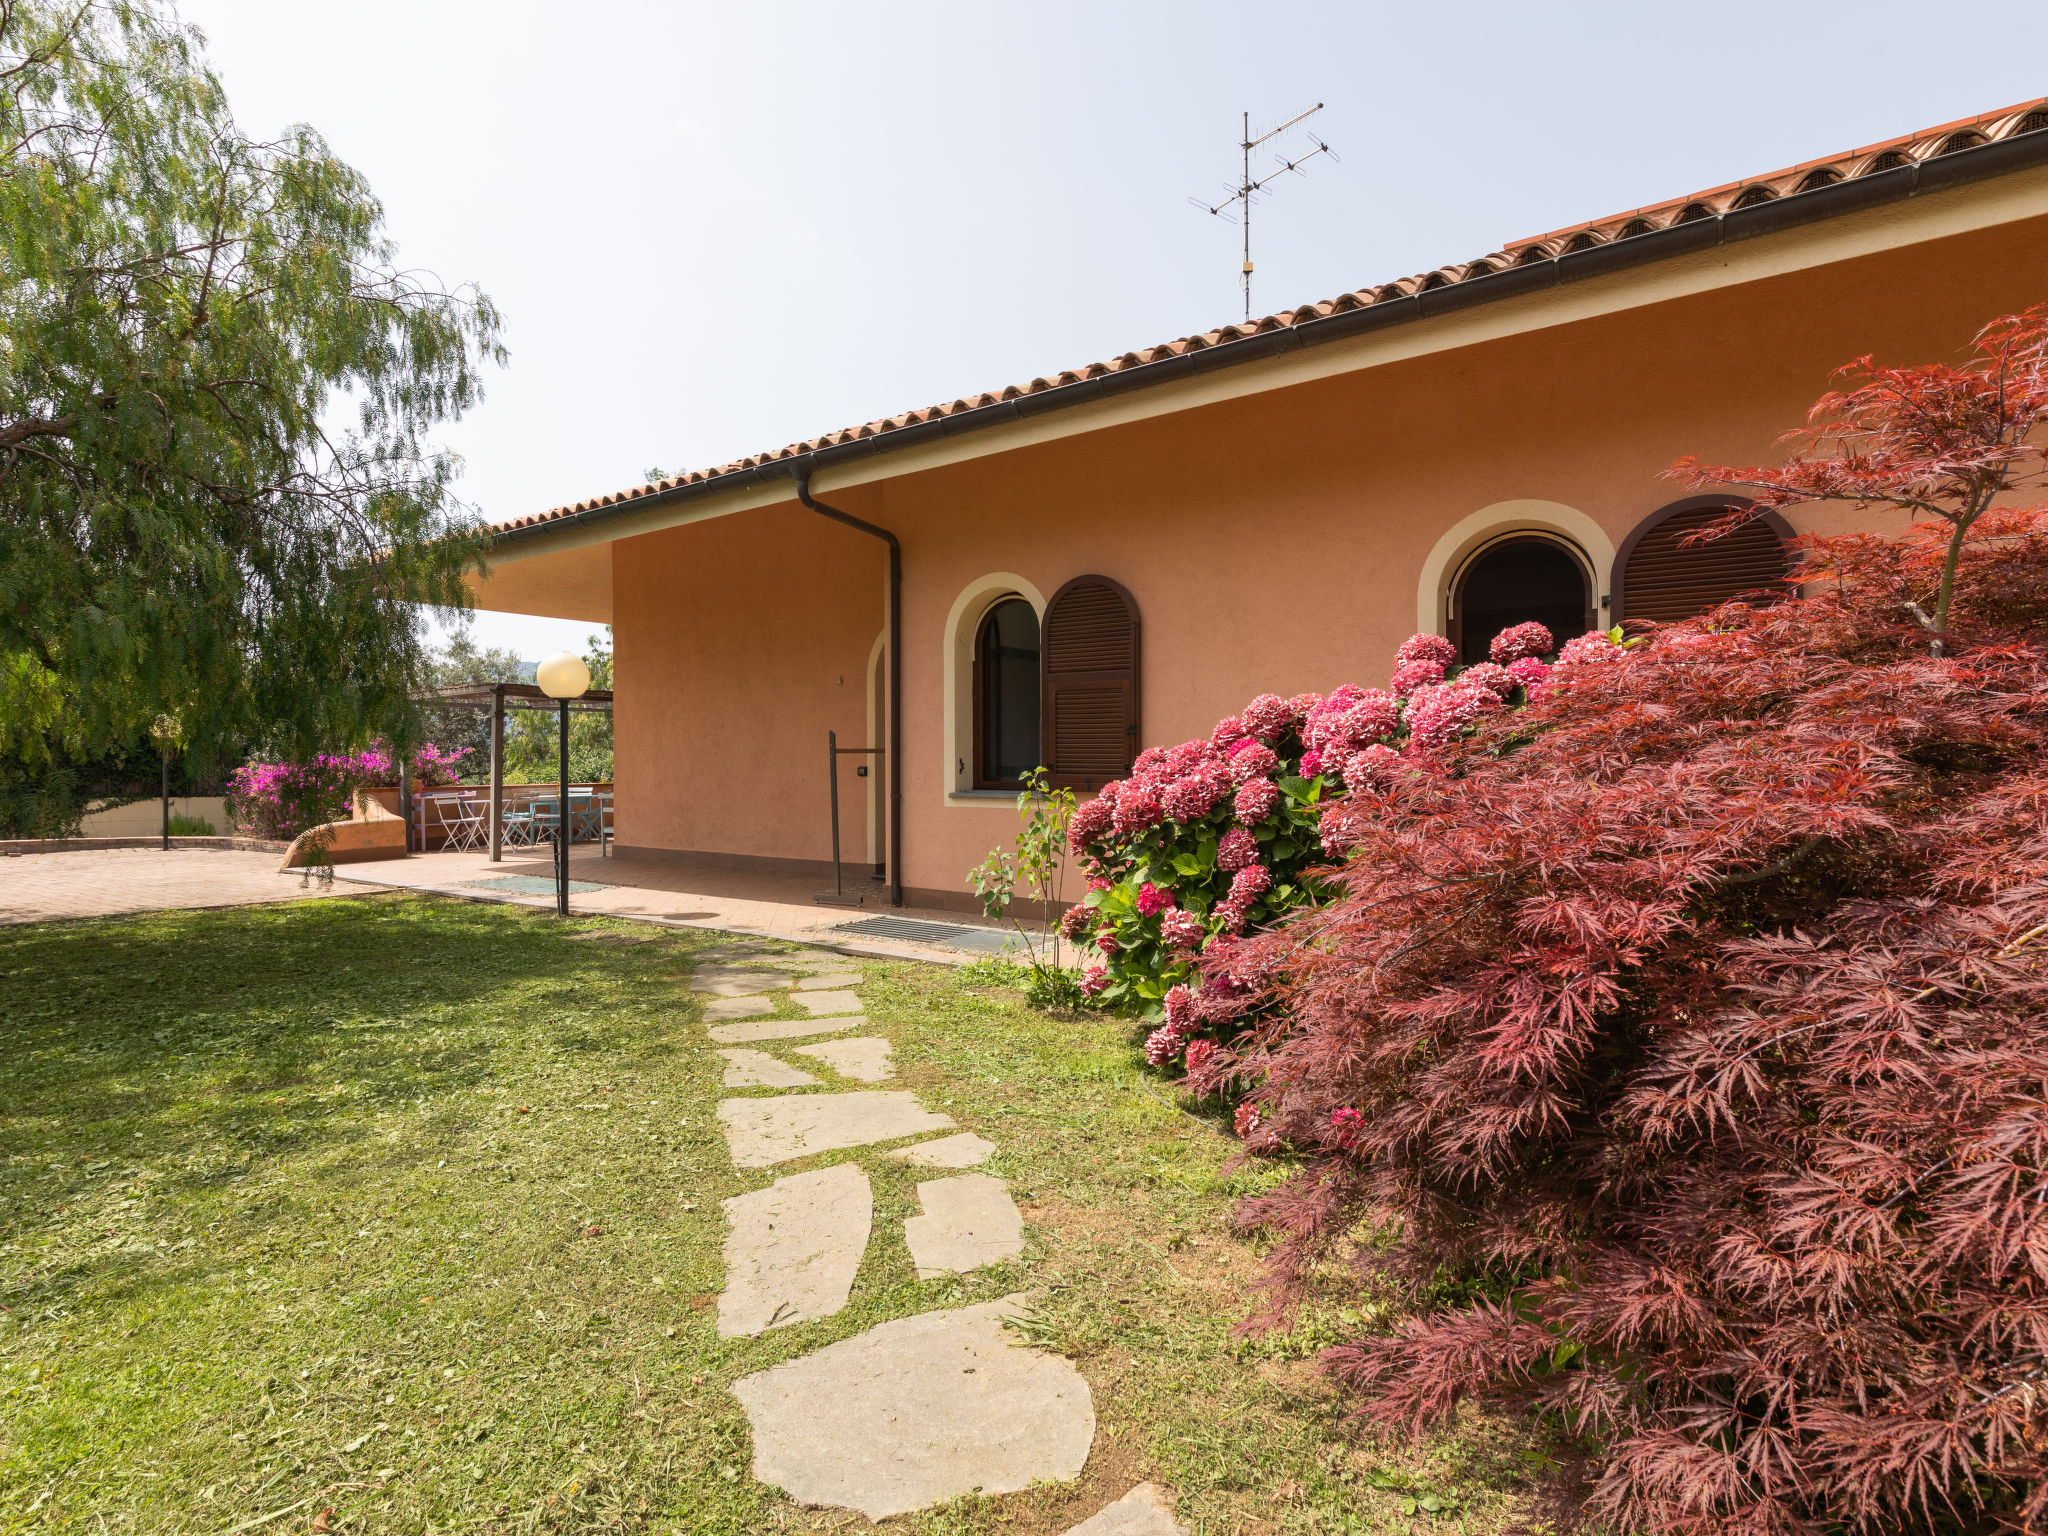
[(407, 1210)]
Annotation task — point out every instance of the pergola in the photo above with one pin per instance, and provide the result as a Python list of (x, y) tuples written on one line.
[(497, 698)]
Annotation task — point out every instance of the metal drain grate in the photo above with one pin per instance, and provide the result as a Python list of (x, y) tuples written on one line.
[(992, 941)]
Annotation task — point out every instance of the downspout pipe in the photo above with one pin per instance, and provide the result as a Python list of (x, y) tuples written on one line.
[(893, 644)]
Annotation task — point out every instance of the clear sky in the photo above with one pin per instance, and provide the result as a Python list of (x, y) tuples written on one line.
[(718, 228)]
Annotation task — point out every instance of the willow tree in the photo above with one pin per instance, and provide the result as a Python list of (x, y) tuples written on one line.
[(218, 497)]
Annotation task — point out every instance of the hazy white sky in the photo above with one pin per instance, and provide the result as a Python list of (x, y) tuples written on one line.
[(717, 228)]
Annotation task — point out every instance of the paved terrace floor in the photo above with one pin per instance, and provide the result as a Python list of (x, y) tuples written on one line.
[(780, 905), (106, 882)]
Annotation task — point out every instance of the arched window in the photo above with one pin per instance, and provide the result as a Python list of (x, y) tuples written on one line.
[(1091, 683), (1006, 695), (1514, 580), (1660, 578)]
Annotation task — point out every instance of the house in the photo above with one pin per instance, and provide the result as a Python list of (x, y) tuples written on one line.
[(1121, 553)]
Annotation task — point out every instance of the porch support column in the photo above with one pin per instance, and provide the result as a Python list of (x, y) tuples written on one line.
[(498, 773)]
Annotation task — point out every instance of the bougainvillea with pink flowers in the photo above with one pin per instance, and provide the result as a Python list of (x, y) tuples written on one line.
[(1218, 837), (281, 800)]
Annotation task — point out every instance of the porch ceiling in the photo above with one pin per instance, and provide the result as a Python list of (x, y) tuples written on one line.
[(555, 583)]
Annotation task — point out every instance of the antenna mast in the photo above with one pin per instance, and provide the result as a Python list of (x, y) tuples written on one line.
[(1246, 192)]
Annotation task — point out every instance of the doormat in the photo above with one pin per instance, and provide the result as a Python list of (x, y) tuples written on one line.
[(529, 885), (990, 941)]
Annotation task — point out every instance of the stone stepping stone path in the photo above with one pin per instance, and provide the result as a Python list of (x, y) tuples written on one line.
[(864, 1058), (968, 1221), (757, 1069), (793, 1249), (783, 1029), (918, 1411), (962, 1151), (1141, 1512), (913, 1412), (763, 1132), (818, 1003)]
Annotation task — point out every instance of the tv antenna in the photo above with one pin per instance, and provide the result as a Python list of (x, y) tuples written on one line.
[(1247, 191)]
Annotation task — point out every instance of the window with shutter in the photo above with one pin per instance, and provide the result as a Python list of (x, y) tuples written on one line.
[(1660, 578), (1089, 655)]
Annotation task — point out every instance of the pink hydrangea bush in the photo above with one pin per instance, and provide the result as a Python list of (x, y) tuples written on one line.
[(1215, 838), (281, 800)]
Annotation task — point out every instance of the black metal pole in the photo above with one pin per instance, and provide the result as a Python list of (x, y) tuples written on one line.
[(562, 825), (164, 756), (832, 757)]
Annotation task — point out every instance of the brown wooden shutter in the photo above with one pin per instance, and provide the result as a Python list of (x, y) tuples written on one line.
[(1658, 577), (1088, 647)]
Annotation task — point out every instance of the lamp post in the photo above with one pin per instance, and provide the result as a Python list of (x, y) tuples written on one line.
[(563, 677), (166, 729)]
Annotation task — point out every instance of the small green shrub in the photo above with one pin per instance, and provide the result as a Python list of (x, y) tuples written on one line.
[(191, 826)]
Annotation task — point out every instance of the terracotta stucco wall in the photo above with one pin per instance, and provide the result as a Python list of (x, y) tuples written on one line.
[(1272, 543)]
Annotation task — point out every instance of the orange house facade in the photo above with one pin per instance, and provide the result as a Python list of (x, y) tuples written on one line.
[(1118, 555)]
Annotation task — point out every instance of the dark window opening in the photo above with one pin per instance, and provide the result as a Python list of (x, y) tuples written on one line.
[(1515, 581), (1006, 696)]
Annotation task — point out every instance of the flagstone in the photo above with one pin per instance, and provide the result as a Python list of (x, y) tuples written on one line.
[(782, 1029), (827, 979), (793, 1249), (827, 1002), (962, 1151), (757, 1069), (761, 1132), (1141, 1512), (718, 1009), (864, 1058), (918, 1411), (728, 981), (968, 1221)]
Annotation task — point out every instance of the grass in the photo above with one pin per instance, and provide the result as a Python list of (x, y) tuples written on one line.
[(399, 1214)]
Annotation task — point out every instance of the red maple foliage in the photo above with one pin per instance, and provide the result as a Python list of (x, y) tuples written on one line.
[(1695, 1018)]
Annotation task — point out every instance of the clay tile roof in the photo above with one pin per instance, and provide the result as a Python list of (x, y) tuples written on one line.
[(1811, 175)]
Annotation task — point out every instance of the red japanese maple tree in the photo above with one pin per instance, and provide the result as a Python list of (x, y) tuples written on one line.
[(1695, 1017), (1936, 441)]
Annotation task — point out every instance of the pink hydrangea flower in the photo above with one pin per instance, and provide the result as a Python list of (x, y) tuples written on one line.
[(1090, 822), (1411, 675), (1189, 756), (1372, 768), (1195, 796), (1588, 648), (1106, 941), (1237, 849), (1518, 641), (1426, 648), (1099, 882), (1228, 729), (1351, 717), (1199, 1055), (1094, 980), (1183, 930), (1346, 1124), (1311, 763), (1438, 716), (1256, 800), (1253, 760), (1137, 807), (1528, 671), (1164, 1043), (1252, 881), (1498, 680), (1230, 916), (1074, 923), (1267, 716), (1302, 703), (1148, 762), (1247, 1120), (1180, 1005), (1153, 899)]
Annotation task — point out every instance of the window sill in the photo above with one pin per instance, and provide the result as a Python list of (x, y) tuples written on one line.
[(982, 796)]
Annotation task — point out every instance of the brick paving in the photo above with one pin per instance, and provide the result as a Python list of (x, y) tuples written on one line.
[(107, 882)]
